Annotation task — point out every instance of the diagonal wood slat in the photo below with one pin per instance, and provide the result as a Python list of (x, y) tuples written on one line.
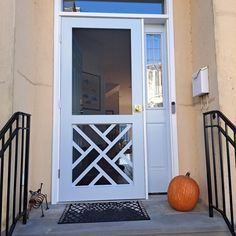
[(102, 154), (100, 134)]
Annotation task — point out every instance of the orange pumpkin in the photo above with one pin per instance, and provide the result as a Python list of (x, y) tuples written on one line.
[(183, 193)]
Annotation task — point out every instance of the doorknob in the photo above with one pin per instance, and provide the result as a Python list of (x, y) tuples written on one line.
[(138, 108), (173, 108)]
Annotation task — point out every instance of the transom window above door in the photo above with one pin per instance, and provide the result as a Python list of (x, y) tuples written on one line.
[(116, 6)]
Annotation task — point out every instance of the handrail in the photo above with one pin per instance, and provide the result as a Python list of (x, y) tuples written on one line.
[(220, 151), (10, 121), (223, 117), (14, 165)]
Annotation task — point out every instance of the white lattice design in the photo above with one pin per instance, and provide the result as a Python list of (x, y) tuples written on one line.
[(117, 175)]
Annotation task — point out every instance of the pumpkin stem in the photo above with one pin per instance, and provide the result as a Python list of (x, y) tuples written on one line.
[(188, 174)]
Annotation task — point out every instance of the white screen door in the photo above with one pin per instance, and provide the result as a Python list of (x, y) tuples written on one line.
[(101, 144)]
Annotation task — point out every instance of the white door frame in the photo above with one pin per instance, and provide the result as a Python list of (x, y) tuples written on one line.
[(166, 19)]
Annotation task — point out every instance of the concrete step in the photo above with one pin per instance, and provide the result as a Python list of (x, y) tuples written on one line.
[(164, 222), (111, 230)]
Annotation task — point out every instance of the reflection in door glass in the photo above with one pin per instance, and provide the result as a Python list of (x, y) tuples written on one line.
[(154, 71), (101, 72)]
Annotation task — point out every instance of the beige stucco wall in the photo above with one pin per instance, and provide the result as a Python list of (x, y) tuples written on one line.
[(203, 54), (6, 58), (194, 48), (196, 24), (188, 138), (33, 75), (7, 28), (225, 36), (33, 79), (203, 48), (183, 66), (213, 45)]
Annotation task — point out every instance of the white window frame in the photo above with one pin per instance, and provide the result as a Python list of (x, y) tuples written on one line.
[(166, 19)]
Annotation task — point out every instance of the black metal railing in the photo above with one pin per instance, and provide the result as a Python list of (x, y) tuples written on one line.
[(220, 150), (14, 165)]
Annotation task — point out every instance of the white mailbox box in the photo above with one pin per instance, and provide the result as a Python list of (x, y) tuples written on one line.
[(200, 82)]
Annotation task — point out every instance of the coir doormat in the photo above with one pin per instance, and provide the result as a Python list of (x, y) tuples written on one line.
[(103, 212)]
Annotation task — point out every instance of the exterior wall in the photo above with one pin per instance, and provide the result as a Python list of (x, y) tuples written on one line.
[(6, 70), (33, 79), (186, 113), (203, 54), (212, 30), (32, 66), (6, 58), (194, 48), (225, 36)]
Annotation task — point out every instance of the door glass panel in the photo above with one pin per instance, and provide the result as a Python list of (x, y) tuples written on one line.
[(116, 6), (102, 154), (101, 72), (154, 79)]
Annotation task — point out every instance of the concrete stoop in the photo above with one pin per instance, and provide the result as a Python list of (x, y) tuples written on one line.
[(113, 231), (164, 222), (203, 233)]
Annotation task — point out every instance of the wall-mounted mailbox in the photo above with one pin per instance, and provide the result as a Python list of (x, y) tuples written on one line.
[(200, 82)]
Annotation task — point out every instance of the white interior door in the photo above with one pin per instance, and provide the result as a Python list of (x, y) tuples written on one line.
[(157, 110), (101, 144)]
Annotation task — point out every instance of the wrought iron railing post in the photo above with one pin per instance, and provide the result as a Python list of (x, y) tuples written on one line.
[(214, 158), (22, 160), (1, 178), (209, 187), (26, 170), (219, 166), (15, 171), (14, 168), (8, 182), (229, 180)]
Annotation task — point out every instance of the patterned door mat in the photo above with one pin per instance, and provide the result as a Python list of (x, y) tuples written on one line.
[(103, 212)]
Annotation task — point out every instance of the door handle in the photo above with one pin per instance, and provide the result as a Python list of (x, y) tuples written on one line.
[(138, 108), (173, 108)]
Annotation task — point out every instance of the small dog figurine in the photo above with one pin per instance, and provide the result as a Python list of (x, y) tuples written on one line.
[(36, 200)]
